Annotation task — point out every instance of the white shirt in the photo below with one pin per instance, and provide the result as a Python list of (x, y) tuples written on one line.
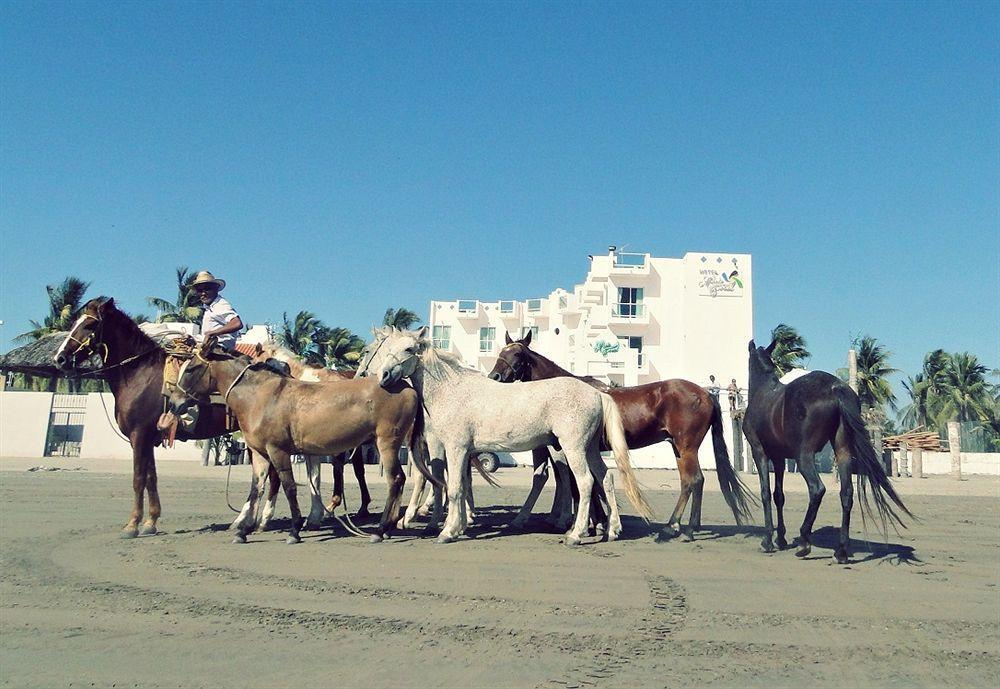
[(217, 314)]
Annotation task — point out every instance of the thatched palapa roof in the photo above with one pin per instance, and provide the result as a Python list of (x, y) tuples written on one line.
[(36, 358)]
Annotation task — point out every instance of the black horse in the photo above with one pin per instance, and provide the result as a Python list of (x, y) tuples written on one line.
[(795, 421)]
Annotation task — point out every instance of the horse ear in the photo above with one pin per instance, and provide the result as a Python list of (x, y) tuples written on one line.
[(422, 333), (752, 347), (107, 305), (506, 337), (770, 347), (526, 340), (258, 349)]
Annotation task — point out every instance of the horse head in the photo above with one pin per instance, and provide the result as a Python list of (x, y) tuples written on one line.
[(761, 365), (513, 361), (85, 337), (393, 355)]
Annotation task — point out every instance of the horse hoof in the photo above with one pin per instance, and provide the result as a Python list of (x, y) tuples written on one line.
[(293, 539), (803, 551), (445, 539), (841, 556), (767, 546), (375, 538), (239, 538), (781, 543), (601, 530), (572, 541), (666, 534), (614, 535), (148, 530), (687, 536), (128, 534)]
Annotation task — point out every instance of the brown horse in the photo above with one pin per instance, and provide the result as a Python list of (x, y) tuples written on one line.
[(133, 368), (282, 416), (674, 410), (300, 370)]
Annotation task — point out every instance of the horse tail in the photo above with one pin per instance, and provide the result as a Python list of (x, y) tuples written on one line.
[(418, 447), (474, 461), (867, 465), (614, 433), (735, 492)]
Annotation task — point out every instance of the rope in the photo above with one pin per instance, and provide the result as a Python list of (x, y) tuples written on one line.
[(114, 426), (352, 529), (229, 471)]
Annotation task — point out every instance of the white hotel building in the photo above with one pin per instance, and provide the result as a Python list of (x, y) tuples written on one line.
[(634, 319)]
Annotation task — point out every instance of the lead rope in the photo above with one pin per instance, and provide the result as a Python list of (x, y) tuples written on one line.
[(352, 529)]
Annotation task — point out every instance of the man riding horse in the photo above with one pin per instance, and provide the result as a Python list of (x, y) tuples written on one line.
[(220, 318)]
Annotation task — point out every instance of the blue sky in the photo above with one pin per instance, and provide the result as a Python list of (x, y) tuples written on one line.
[(345, 157)]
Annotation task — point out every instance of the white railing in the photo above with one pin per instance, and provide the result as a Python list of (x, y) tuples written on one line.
[(468, 306), (508, 307), (628, 310), (624, 260)]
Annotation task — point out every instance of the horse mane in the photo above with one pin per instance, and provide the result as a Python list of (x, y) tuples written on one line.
[(440, 364), (128, 328)]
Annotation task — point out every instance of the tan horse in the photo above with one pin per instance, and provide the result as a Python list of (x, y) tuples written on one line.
[(300, 370), (281, 416)]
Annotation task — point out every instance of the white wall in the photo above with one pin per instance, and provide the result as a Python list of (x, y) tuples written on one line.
[(972, 462), (24, 423), (101, 437)]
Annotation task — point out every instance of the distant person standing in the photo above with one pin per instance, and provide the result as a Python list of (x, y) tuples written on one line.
[(220, 318), (713, 387), (734, 395)]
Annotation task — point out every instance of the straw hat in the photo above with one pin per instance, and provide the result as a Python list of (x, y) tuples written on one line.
[(206, 278)]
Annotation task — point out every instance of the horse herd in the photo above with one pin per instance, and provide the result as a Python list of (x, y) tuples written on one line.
[(407, 392)]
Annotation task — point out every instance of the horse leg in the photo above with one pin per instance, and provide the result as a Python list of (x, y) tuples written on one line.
[(282, 461), (358, 463), (337, 497), (612, 524), (149, 526), (262, 470), (140, 458), (437, 495), (540, 475), (470, 502), (564, 503), (807, 467), (270, 477), (454, 523), (779, 502), (577, 461), (843, 454), (764, 475), (314, 466), (388, 451), (691, 480), (419, 484)]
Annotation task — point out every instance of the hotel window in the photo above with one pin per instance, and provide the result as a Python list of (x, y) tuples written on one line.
[(467, 306), (629, 302), (534, 305), (441, 337), (506, 307), (632, 342), (486, 338)]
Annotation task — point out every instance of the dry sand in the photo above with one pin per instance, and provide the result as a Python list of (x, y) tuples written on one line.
[(186, 608)]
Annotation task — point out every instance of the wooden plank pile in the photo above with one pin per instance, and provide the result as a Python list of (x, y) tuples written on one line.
[(928, 441)]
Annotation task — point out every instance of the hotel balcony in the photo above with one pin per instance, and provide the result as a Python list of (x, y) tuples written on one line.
[(538, 308), (629, 314), (630, 264), (468, 308), (509, 310)]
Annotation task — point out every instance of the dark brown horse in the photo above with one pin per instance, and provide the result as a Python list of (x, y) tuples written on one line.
[(674, 410), (133, 368), (795, 421)]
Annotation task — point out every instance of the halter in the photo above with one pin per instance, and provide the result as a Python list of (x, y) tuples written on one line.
[(363, 371), (87, 345), (516, 370)]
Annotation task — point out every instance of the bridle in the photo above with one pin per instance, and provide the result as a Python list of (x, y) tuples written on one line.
[(92, 343), (517, 370), (362, 372)]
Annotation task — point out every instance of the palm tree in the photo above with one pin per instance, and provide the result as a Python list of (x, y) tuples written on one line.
[(339, 347), (65, 299), (789, 350), (966, 394), (301, 335), (186, 308), (915, 413), (873, 374), (400, 318)]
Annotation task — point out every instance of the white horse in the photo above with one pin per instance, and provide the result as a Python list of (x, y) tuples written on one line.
[(472, 414)]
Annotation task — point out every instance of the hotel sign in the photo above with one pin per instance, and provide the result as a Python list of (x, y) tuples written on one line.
[(713, 282)]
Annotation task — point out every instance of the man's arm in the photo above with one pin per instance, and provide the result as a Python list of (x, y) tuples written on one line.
[(233, 325)]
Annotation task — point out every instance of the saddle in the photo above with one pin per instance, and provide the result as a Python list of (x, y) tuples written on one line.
[(180, 349)]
